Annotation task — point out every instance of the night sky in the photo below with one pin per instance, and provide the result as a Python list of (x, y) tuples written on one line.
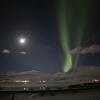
[(36, 20)]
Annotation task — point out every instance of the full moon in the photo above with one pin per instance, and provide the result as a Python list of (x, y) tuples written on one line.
[(22, 40)]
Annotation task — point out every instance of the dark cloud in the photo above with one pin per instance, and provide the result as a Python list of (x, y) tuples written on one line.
[(91, 49), (23, 53), (6, 51)]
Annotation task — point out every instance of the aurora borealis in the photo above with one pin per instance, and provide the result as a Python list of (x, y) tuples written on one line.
[(81, 11), (54, 33)]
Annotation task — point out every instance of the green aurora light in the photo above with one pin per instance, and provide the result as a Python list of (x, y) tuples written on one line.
[(64, 36), (81, 9)]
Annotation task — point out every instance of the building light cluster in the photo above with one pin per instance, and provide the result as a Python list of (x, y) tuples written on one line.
[(23, 81)]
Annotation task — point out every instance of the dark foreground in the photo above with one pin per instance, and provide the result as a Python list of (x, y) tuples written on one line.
[(77, 93)]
